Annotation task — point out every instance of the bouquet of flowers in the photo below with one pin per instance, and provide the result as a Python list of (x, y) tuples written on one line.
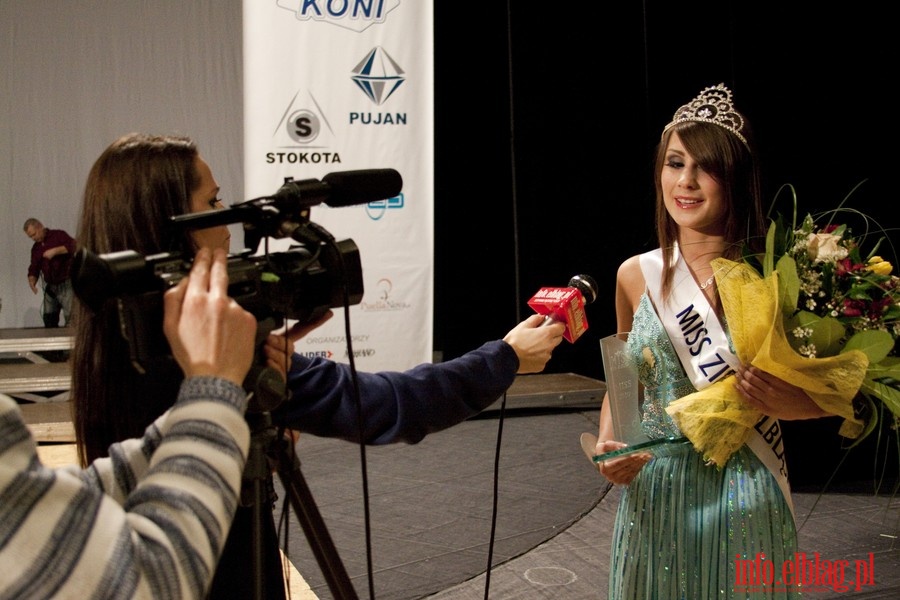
[(822, 314)]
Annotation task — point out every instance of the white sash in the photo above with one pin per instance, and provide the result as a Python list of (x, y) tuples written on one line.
[(703, 349), (690, 322)]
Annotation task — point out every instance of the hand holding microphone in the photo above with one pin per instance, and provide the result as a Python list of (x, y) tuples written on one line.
[(533, 343), (566, 305)]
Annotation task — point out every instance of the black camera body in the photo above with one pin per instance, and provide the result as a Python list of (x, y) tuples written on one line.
[(300, 284)]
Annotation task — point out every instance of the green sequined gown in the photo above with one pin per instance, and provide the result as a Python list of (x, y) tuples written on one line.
[(681, 525)]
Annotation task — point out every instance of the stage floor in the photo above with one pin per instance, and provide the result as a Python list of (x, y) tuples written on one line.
[(431, 505), (430, 514)]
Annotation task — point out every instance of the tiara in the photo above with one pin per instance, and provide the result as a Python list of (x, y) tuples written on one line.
[(713, 105)]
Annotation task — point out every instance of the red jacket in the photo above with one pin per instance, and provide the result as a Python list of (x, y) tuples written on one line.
[(56, 269)]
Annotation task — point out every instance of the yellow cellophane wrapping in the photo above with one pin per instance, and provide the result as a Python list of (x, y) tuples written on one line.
[(716, 419)]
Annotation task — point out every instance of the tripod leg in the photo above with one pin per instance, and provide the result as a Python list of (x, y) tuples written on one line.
[(244, 573), (253, 528), (252, 541), (313, 526)]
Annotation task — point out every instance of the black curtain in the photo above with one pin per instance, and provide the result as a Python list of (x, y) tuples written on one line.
[(546, 124)]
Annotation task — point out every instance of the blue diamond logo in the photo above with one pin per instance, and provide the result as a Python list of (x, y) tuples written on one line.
[(378, 75)]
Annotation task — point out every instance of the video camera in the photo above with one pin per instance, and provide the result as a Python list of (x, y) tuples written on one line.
[(301, 283)]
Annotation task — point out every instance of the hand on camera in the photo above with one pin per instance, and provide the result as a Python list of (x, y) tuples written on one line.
[(280, 345), (534, 342), (300, 330), (208, 332)]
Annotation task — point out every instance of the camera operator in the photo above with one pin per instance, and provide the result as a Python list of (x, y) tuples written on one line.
[(134, 188), (151, 520)]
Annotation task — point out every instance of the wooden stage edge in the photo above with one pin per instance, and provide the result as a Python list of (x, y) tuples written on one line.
[(553, 391), (49, 422), (35, 339)]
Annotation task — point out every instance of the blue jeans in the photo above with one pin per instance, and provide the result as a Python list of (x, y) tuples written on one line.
[(57, 298)]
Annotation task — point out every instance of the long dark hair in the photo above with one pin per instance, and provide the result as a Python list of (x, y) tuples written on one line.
[(732, 164), (134, 187)]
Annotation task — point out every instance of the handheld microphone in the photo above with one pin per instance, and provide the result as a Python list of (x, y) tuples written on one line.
[(566, 305)]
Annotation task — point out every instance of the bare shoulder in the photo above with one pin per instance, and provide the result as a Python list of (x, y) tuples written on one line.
[(629, 275), (629, 286)]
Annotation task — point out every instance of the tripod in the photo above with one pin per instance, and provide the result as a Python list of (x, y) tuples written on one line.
[(253, 529)]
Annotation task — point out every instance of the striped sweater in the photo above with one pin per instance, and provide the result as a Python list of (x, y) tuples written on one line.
[(150, 521)]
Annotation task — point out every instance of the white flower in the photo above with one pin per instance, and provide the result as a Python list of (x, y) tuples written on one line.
[(802, 332), (808, 351), (825, 247)]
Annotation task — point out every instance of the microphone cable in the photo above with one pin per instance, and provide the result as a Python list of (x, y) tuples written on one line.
[(494, 503), (516, 289), (351, 360), (325, 237), (362, 441)]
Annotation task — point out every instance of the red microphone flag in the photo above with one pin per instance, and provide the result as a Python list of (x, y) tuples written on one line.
[(565, 305)]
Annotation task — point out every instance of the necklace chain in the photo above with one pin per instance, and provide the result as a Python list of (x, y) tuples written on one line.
[(708, 282)]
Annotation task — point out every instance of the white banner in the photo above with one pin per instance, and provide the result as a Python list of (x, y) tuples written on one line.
[(340, 85)]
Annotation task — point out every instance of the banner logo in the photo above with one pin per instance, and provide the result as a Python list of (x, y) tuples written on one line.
[(303, 126), (378, 75), (334, 339), (327, 354), (355, 15), (376, 210), (384, 303), (301, 123), (297, 128), (364, 353)]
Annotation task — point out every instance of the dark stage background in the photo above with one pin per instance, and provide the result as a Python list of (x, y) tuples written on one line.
[(546, 122)]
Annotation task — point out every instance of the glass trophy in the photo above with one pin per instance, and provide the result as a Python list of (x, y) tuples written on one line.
[(624, 394)]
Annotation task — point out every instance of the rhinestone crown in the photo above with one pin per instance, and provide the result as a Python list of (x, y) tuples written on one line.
[(713, 105)]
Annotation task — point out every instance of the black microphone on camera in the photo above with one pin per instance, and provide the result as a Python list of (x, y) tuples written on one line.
[(341, 188), (293, 199), (287, 211), (566, 305)]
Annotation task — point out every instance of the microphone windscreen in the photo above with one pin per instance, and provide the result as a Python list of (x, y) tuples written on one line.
[(586, 285), (360, 187)]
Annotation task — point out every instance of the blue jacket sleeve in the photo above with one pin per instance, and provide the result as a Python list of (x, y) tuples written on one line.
[(396, 406)]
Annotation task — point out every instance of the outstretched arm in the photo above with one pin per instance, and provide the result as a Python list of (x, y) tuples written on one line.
[(406, 406)]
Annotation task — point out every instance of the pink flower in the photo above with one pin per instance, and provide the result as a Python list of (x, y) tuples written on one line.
[(845, 266), (851, 308)]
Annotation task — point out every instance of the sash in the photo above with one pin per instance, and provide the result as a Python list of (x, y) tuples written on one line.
[(702, 347)]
